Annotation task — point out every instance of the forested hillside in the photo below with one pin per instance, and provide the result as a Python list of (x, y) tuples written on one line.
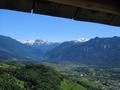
[(97, 51), (16, 76), (49, 76), (11, 48)]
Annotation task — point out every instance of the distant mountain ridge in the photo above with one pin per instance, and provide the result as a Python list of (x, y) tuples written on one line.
[(82, 40), (35, 42), (45, 46), (11, 48), (40, 42), (97, 51)]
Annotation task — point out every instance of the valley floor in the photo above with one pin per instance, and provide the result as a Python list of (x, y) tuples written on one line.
[(16, 75)]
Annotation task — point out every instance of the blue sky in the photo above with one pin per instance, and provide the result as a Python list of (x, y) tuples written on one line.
[(23, 26)]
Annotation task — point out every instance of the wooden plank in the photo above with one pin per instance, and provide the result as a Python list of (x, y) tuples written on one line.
[(54, 9), (100, 11), (98, 17), (19, 5), (113, 8)]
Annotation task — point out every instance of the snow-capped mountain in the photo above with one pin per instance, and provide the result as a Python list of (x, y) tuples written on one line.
[(38, 42), (28, 42), (46, 46), (35, 42), (81, 40), (41, 44)]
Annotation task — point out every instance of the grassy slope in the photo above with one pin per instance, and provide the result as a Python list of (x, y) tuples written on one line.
[(67, 85), (90, 83)]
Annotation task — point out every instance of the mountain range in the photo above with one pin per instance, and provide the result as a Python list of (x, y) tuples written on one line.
[(11, 48), (44, 46), (97, 51)]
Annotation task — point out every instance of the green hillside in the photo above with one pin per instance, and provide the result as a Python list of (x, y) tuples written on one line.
[(28, 77), (45, 76), (68, 85)]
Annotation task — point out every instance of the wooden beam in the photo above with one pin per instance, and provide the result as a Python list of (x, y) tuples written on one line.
[(113, 8), (19, 5), (100, 11)]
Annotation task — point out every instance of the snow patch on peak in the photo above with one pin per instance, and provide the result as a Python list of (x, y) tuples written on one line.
[(35, 42), (39, 42), (30, 42), (82, 40)]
